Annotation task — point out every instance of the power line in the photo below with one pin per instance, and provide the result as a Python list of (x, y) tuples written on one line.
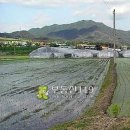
[(107, 4)]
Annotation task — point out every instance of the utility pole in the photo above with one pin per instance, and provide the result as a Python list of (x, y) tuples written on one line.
[(114, 34), (14, 49)]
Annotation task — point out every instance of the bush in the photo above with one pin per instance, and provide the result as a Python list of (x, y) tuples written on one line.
[(114, 110)]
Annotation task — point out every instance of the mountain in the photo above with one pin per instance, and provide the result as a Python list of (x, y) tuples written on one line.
[(18, 34), (81, 30), (22, 34)]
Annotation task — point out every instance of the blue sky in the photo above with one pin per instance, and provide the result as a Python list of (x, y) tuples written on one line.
[(25, 14)]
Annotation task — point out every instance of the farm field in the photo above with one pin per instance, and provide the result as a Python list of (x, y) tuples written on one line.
[(19, 82), (122, 92)]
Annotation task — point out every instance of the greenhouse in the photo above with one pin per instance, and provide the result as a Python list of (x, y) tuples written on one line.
[(126, 53), (56, 52), (48, 52), (107, 54), (78, 53)]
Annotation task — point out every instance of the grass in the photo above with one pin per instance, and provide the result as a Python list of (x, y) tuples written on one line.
[(122, 92), (14, 57), (103, 100), (114, 110), (125, 129)]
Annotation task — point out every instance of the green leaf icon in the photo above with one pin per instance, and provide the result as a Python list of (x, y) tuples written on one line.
[(42, 92)]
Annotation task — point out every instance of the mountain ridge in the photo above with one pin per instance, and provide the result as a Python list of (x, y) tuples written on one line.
[(81, 30)]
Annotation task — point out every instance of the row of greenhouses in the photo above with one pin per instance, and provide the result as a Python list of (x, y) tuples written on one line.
[(56, 52)]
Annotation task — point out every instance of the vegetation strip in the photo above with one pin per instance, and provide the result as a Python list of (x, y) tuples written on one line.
[(14, 57), (96, 117), (122, 92)]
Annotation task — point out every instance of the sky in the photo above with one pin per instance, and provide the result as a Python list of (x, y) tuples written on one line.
[(16, 15)]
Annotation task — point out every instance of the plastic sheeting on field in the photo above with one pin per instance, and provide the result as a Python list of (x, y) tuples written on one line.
[(126, 53)]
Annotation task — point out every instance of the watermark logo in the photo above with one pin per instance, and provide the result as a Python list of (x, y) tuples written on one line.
[(69, 91), (42, 92)]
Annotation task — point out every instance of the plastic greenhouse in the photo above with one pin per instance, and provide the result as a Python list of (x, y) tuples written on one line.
[(56, 52), (107, 54), (126, 53)]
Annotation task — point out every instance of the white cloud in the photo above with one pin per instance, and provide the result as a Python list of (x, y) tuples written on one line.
[(34, 2), (39, 20), (122, 8), (49, 3), (89, 9), (125, 8), (122, 5), (117, 2), (9, 27)]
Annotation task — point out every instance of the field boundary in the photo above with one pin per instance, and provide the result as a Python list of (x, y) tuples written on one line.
[(14, 57)]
